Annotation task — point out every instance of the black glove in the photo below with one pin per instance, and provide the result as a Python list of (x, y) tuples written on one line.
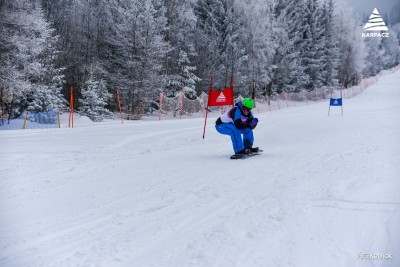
[(253, 123)]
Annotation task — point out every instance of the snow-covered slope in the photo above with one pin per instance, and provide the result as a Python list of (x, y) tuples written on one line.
[(325, 192)]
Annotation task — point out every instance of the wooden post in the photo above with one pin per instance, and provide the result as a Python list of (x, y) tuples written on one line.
[(180, 103), (284, 94), (305, 95), (268, 102), (119, 105), (26, 116), (255, 101), (279, 106), (160, 106)]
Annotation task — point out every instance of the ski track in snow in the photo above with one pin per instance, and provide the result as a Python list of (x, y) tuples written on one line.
[(153, 193)]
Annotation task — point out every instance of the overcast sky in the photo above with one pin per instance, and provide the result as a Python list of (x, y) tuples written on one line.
[(367, 6)]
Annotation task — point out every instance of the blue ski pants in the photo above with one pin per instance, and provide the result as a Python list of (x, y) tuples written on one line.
[(236, 135)]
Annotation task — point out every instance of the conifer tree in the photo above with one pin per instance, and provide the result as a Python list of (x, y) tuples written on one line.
[(259, 33), (314, 46), (219, 27), (374, 61), (180, 35), (33, 81), (94, 99), (187, 79), (330, 57), (289, 72), (351, 48), (147, 49), (391, 49)]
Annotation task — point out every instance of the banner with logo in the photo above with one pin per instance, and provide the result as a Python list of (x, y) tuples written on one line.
[(220, 98), (336, 101)]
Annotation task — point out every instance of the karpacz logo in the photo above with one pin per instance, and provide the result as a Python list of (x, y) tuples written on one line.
[(221, 98), (375, 34), (375, 23)]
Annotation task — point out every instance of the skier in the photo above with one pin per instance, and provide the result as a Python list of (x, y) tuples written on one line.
[(236, 122)]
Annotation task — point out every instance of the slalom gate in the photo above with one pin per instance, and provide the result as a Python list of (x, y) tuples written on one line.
[(182, 107)]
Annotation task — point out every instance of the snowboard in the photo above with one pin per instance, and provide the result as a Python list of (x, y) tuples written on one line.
[(245, 156)]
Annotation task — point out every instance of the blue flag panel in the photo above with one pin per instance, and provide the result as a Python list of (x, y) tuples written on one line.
[(336, 102)]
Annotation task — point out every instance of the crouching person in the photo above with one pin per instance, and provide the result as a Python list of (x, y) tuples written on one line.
[(238, 123)]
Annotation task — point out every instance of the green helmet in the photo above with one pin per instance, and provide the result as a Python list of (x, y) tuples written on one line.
[(248, 103)]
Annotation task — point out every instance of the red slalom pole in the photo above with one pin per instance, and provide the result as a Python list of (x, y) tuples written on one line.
[(69, 117), (208, 100), (205, 123), (72, 100), (71, 108)]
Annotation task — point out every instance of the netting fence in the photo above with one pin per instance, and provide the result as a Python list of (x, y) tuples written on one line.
[(180, 107), (31, 120)]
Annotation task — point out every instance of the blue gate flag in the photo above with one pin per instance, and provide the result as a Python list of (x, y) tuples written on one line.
[(336, 102)]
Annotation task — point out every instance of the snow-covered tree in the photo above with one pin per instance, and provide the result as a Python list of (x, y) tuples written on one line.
[(313, 51), (351, 47), (94, 99), (373, 57), (147, 46), (147, 49), (31, 78), (186, 79), (289, 71), (330, 58), (179, 33), (391, 50), (217, 40), (259, 39)]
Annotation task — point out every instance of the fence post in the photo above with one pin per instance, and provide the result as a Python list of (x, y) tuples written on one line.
[(26, 116), (284, 94), (160, 106), (305, 96), (279, 106), (119, 105), (255, 101), (181, 103), (316, 95), (294, 102), (268, 102)]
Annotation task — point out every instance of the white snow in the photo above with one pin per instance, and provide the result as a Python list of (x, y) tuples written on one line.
[(325, 192)]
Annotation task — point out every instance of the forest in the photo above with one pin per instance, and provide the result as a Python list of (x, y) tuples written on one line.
[(144, 47)]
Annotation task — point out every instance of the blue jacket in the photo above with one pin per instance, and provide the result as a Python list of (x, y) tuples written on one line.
[(238, 118)]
